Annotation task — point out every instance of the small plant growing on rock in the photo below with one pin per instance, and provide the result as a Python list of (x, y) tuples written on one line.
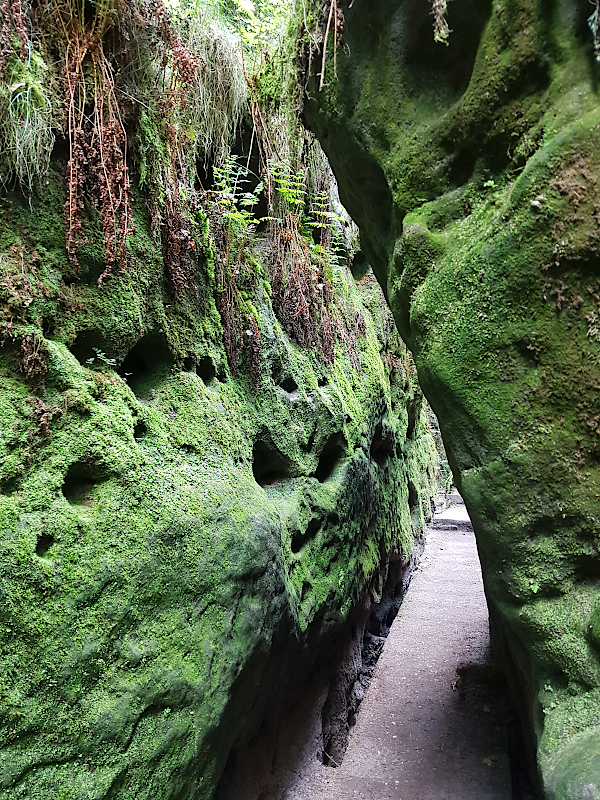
[(441, 31), (26, 135), (102, 358), (232, 222)]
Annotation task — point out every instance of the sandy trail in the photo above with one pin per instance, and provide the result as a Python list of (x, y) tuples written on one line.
[(423, 732)]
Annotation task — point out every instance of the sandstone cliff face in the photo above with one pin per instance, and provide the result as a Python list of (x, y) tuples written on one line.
[(185, 555), (473, 172)]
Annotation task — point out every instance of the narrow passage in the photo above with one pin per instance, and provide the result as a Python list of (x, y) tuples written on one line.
[(425, 730)]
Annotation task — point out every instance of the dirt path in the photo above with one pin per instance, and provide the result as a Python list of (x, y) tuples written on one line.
[(424, 731)]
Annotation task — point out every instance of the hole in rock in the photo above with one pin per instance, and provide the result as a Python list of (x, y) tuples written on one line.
[(247, 150), (9, 485), (289, 385), (306, 587), (90, 348), (79, 482), (282, 378), (360, 265), (413, 497), (301, 538), (588, 567), (440, 74), (461, 168), (309, 445), (189, 364), (382, 446), (147, 363), (529, 351), (44, 543), (245, 153), (47, 327), (205, 369), (140, 430), (332, 454), (205, 174), (269, 465)]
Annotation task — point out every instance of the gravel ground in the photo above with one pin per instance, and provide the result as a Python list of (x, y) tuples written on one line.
[(433, 723)]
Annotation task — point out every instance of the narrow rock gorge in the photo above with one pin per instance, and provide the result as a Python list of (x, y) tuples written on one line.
[(216, 455), (471, 167)]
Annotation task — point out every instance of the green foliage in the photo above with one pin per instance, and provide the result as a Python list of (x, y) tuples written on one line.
[(26, 135), (261, 24), (215, 98), (441, 31), (190, 87), (102, 359), (235, 205), (233, 222), (327, 224), (290, 186)]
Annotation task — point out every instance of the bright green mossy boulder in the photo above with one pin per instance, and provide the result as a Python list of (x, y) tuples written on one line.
[(473, 171), (174, 540)]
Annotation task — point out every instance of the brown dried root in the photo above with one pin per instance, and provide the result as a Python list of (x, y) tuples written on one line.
[(97, 143), (33, 359), (12, 21)]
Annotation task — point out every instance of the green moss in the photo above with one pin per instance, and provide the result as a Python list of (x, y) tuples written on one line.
[(145, 569), (473, 174)]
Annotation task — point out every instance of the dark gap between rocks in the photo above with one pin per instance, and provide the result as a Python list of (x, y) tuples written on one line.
[(206, 370), (289, 385), (140, 430), (269, 465), (147, 364), (346, 693), (413, 412), (301, 538), (332, 454), (90, 347), (413, 497), (382, 445)]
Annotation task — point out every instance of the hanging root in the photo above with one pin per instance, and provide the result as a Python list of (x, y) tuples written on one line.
[(594, 23), (335, 15), (441, 31)]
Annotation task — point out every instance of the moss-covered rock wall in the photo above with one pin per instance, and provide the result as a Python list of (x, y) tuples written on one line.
[(186, 555), (473, 172)]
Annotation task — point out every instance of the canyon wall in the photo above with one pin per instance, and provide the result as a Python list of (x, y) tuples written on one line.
[(473, 171), (189, 557)]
